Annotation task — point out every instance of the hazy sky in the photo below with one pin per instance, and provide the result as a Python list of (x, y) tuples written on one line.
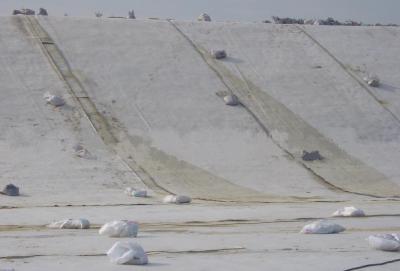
[(368, 11)]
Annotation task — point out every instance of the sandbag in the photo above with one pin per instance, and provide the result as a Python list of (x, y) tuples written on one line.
[(81, 223), (322, 227), (126, 252), (231, 100), (204, 17), (218, 54), (11, 190), (120, 228), (372, 80), (349, 211), (385, 242), (178, 199), (54, 100), (139, 193), (169, 199), (136, 193), (311, 156)]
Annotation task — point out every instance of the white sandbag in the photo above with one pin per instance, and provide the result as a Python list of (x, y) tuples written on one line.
[(385, 242), (120, 228), (169, 199), (322, 227), (231, 100), (204, 17), (349, 211), (178, 199), (136, 193), (54, 100), (71, 224), (126, 252)]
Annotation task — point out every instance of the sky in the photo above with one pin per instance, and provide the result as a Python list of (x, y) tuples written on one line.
[(367, 11)]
